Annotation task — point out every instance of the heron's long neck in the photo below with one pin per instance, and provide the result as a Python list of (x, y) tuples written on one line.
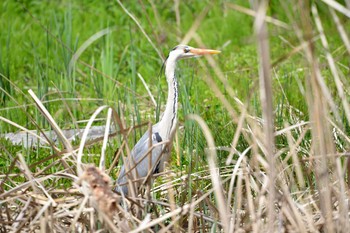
[(168, 121)]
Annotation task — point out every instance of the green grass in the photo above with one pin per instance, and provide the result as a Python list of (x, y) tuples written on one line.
[(40, 38), (40, 45)]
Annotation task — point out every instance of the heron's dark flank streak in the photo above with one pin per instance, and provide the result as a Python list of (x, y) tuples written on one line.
[(156, 170), (175, 102), (158, 137)]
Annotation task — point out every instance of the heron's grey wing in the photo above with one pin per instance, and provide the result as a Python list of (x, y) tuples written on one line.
[(139, 157)]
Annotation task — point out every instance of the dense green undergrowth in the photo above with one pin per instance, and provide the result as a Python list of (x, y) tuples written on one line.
[(41, 38)]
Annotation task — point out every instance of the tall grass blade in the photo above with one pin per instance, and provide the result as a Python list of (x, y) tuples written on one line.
[(267, 108)]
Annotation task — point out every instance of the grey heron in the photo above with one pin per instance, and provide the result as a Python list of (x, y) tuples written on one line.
[(138, 165)]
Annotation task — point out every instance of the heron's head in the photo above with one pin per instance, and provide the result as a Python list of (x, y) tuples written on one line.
[(185, 51)]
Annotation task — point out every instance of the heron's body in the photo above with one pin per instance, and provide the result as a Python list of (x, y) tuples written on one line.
[(142, 164), (161, 132)]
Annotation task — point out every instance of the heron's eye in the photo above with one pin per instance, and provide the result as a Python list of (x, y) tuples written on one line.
[(186, 50)]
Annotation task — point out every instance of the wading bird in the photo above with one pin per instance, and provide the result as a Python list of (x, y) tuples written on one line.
[(148, 163)]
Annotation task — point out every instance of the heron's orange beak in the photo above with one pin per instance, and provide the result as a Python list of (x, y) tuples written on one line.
[(204, 51)]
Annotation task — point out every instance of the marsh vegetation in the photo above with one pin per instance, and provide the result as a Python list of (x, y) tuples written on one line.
[(263, 136)]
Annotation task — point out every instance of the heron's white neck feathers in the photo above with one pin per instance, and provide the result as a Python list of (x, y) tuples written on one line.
[(168, 121)]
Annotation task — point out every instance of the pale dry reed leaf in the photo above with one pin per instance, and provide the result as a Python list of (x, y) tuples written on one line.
[(267, 107), (28, 174), (341, 30), (160, 219), (177, 13), (22, 186), (147, 89), (343, 197), (51, 121), (125, 132), (192, 31), (235, 173), (141, 29), (292, 152), (43, 222), (24, 129), (20, 216), (295, 215), (48, 196), (250, 203), (171, 196), (337, 6), (116, 158), (190, 220), (331, 63), (317, 97), (105, 140), (343, 206), (236, 208), (236, 136), (340, 131), (84, 138), (168, 227), (50, 101), (40, 214), (217, 183), (253, 13), (78, 212), (23, 107), (286, 212), (289, 128)]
